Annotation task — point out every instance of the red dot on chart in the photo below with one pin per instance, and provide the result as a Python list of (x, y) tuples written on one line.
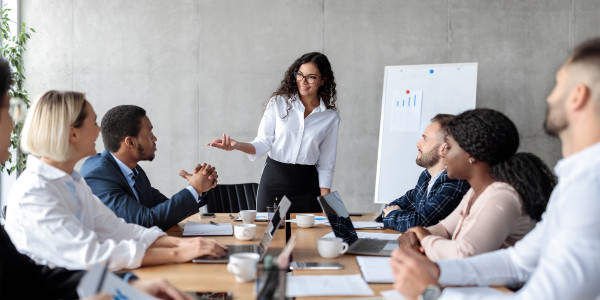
[(407, 91)]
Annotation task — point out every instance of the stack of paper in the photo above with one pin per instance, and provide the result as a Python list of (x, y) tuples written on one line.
[(194, 228), (318, 220), (392, 295), (113, 285), (375, 269), (260, 217), (327, 285)]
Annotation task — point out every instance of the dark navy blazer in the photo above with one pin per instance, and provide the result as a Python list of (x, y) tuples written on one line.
[(108, 183)]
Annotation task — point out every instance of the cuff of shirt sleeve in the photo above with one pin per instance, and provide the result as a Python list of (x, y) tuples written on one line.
[(427, 244), (259, 151), (325, 179), (450, 271), (194, 193)]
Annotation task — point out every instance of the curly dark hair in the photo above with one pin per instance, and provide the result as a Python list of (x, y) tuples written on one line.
[(120, 122), (491, 137), (531, 177), (289, 86)]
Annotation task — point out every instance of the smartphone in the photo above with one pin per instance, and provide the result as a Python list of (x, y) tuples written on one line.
[(211, 295), (320, 265), (207, 215)]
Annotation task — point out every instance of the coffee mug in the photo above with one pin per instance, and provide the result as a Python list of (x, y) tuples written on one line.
[(244, 231), (243, 266), (305, 220), (247, 216), (331, 247)]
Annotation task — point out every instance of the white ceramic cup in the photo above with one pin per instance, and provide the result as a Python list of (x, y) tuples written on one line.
[(331, 247), (305, 220), (247, 216), (243, 266), (244, 231)]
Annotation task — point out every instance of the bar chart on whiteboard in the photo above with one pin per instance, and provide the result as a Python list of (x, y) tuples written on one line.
[(406, 110)]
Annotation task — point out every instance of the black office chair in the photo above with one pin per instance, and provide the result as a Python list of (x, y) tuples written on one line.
[(231, 198)]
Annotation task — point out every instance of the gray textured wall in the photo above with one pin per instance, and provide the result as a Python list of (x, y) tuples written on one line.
[(204, 67)]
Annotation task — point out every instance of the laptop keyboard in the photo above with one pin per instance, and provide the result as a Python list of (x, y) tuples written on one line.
[(241, 248), (369, 245)]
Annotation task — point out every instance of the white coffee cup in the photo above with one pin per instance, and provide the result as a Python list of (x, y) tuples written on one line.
[(247, 216), (305, 220), (244, 231), (243, 266), (331, 247)]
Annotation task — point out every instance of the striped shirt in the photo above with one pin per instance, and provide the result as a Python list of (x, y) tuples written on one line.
[(422, 208)]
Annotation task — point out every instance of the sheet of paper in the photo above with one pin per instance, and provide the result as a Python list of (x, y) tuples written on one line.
[(392, 295), (112, 285), (318, 220), (364, 225), (372, 235), (260, 217), (367, 225), (327, 285), (405, 109), (375, 269), (195, 228)]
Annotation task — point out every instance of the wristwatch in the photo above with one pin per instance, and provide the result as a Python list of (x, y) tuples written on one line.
[(431, 292)]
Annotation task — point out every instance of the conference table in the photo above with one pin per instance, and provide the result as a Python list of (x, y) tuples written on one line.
[(215, 278)]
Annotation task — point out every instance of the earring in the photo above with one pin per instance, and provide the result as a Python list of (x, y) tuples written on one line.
[(470, 161)]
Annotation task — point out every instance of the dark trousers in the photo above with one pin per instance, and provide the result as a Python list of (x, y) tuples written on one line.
[(299, 183)]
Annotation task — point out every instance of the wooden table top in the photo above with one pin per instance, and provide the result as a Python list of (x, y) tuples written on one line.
[(214, 277)]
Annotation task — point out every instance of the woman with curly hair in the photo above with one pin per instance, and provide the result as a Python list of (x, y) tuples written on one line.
[(509, 191), (299, 131)]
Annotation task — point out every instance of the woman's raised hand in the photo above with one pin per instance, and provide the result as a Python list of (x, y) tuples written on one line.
[(226, 143)]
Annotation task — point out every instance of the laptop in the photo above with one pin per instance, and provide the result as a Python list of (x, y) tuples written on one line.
[(260, 248), (342, 227)]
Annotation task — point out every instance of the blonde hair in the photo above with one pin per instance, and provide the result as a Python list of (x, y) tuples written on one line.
[(48, 124)]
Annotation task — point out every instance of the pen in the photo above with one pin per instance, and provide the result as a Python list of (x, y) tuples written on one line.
[(102, 277), (213, 223)]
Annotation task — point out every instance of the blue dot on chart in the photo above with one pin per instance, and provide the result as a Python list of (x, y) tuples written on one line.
[(431, 71)]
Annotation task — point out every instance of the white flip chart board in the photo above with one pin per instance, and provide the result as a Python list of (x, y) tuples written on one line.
[(412, 95)]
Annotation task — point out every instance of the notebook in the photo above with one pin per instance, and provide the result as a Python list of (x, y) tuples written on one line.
[(262, 246), (342, 227)]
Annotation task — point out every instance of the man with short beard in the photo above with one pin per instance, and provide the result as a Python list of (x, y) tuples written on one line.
[(436, 195), (116, 178)]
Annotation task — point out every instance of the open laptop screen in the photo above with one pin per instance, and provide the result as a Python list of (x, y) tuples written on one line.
[(338, 217), (273, 225)]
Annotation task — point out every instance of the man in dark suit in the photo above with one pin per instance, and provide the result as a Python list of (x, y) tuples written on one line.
[(117, 179), (21, 277)]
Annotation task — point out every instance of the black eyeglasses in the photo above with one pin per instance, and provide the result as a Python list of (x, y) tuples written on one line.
[(310, 78)]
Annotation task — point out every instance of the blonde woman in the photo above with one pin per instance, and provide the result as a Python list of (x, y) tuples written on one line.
[(54, 218)]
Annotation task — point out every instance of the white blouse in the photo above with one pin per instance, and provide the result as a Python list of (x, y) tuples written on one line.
[(298, 140), (54, 218)]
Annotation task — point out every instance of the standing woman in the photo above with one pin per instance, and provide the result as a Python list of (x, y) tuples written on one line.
[(299, 131)]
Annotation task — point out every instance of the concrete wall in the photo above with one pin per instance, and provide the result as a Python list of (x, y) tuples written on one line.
[(204, 67)]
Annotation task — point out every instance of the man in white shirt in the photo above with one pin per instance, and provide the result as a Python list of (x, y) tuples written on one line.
[(559, 258), (52, 215)]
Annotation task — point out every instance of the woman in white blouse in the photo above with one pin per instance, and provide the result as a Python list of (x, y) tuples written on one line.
[(52, 215), (299, 132)]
